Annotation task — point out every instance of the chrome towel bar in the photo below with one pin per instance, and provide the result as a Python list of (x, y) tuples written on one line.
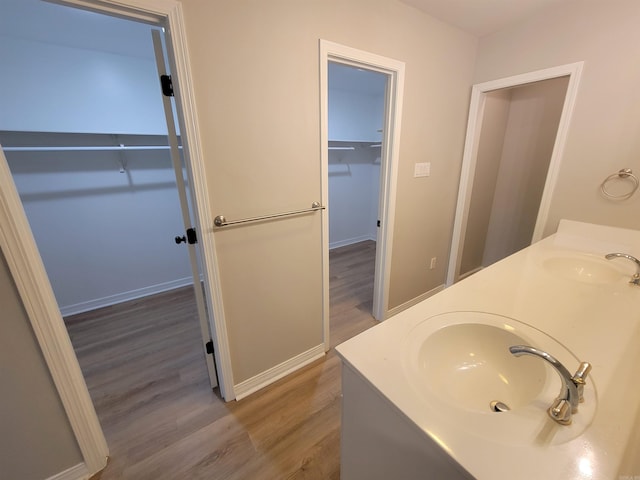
[(221, 221)]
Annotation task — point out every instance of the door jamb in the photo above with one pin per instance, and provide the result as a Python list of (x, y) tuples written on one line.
[(474, 126), (330, 51), (22, 256)]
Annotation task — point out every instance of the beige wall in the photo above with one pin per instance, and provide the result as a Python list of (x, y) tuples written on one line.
[(603, 137), (534, 115), (37, 441), (256, 77), (518, 133), (490, 143)]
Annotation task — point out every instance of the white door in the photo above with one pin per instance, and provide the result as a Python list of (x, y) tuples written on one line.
[(189, 237)]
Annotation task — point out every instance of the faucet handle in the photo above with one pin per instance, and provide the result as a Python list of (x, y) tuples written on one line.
[(561, 411), (579, 378)]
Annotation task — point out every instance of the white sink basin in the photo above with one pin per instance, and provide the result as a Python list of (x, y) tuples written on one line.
[(586, 268), (460, 364), (469, 366)]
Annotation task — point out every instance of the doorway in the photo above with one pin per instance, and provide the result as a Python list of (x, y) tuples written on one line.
[(356, 114), (384, 75), (515, 137), (100, 234), (99, 173)]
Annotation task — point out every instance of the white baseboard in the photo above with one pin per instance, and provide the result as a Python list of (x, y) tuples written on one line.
[(469, 273), (124, 296), (413, 301), (267, 377), (350, 241), (77, 472)]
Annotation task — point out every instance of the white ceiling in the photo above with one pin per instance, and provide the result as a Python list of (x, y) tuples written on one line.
[(480, 17), (344, 77), (46, 22), (41, 21)]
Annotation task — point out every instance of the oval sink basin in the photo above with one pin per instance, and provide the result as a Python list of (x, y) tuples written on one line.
[(587, 268), (470, 366), (459, 363)]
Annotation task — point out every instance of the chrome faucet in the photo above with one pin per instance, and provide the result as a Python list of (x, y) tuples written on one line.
[(572, 391), (635, 279)]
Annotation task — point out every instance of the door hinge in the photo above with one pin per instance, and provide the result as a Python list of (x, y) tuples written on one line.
[(167, 85), (378, 224), (191, 236), (209, 347)]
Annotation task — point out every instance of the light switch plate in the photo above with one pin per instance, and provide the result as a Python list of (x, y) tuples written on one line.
[(422, 169)]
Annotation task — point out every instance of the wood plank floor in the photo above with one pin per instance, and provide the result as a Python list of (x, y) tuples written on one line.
[(147, 378)]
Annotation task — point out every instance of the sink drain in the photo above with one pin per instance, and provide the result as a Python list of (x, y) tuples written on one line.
[(498, 406)]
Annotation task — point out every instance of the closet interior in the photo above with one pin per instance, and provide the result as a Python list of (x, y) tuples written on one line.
[(85, 137), (104, 211), (356, 114), (356, 100)]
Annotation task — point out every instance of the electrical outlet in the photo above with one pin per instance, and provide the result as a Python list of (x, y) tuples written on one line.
[(422, 169), (432, 265)]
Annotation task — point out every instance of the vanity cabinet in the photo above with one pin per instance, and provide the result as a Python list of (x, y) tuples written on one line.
[(380, 443), (560, 295)]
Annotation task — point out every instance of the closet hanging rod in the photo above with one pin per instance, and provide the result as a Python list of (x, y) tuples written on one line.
[(87, 148), (221, 221)]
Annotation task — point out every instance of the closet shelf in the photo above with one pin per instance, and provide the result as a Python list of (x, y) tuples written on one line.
[(87, 148), (342, 148), (343, 145), (24, 141)]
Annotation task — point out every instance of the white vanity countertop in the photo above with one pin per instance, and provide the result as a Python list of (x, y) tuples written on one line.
[(598, 323)]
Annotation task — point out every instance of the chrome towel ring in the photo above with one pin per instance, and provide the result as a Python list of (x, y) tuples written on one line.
[(624, 174)]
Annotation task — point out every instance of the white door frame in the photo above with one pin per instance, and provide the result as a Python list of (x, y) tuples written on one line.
[(335, 52), (474, 127), (20, 250)]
